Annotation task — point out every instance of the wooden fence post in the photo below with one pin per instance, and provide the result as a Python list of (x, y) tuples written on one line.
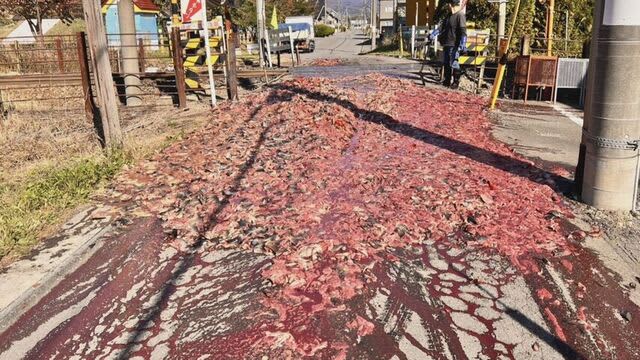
[(60, 54), (83, 61), (16, 47), (232, 81), (178, 67), (525, 45), (141, 55)]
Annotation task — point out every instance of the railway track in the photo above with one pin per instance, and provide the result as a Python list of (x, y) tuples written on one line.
[(29, 81)]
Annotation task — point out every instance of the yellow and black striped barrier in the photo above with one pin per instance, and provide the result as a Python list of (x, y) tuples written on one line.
[(476, 50), (195, 57), (472, 60)]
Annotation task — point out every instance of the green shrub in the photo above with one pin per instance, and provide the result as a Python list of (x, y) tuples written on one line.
[(323, 30)]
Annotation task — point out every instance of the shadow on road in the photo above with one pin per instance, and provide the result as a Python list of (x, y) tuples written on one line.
[(534, 328), (188, 258)]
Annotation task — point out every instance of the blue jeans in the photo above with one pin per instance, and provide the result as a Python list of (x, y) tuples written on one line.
[(451, 64)]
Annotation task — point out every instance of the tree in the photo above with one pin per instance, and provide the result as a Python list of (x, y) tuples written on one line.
[(33, 11), (532, 21)]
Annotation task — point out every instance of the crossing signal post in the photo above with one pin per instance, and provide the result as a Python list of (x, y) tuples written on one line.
[(206, 36), (205, 27)]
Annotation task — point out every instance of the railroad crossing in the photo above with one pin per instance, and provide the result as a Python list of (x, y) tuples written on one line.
[(347, 206)]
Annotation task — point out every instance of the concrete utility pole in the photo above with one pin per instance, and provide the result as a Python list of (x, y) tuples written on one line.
[(374, 27), (106, 98), (502, 17), (260, 29), (129, 52), (607, 171)]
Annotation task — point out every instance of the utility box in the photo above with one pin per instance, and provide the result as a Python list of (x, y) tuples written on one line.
[(535, 70)]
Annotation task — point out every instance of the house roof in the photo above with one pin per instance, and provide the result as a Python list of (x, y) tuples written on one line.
[(143, 5)]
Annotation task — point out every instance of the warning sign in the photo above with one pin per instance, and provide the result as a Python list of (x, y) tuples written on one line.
[(191, 10)]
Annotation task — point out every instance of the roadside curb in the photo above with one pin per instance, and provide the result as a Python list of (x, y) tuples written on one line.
[(18, 307)]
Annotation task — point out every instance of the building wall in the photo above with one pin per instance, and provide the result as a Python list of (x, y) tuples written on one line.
[(426, 12), (146, 26), (386, 9)]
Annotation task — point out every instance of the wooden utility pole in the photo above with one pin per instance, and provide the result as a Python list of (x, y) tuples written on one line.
[(175, 13), (232, 74), (105, 94)]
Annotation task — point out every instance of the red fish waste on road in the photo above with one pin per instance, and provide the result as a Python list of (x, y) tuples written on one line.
[(329, 177)]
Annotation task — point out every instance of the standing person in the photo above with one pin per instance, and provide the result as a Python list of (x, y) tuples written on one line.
[(453, 38)]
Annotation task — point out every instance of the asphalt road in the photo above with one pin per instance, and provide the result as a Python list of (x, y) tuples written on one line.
[(136, 295), (341, 45)]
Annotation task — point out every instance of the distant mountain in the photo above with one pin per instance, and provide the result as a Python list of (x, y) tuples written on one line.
[(354, 6)]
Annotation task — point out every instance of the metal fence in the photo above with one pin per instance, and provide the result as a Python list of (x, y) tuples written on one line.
[(55, 72), (480, 66), (48, 73), (44, 74)]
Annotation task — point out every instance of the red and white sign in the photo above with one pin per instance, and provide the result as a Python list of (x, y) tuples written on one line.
[(191, 10)]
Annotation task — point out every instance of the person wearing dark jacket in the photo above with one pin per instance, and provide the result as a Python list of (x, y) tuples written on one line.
[(453, 38)]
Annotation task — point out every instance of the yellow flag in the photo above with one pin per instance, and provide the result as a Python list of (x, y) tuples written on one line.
[(274, 19)]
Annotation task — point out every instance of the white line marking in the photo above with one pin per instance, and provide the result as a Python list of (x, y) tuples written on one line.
[(576, 119)]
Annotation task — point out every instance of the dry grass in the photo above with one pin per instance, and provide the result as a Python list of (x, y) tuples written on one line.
[(7, 29), (70, 29), (52, 163)]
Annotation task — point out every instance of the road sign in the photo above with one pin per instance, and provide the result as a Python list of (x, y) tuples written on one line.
[(191, 10)]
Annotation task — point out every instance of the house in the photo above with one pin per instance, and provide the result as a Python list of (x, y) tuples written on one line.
[(331, 17), (386, 16), (146, 14)]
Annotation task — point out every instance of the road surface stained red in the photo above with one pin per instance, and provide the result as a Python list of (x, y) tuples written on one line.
[(351, 218)]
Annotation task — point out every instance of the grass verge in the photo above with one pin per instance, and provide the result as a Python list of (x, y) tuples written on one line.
[(52, 163), (390, 46), (28, 207)]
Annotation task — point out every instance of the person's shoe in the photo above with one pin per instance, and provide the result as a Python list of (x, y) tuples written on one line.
[(446, 83), (456, 79)]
